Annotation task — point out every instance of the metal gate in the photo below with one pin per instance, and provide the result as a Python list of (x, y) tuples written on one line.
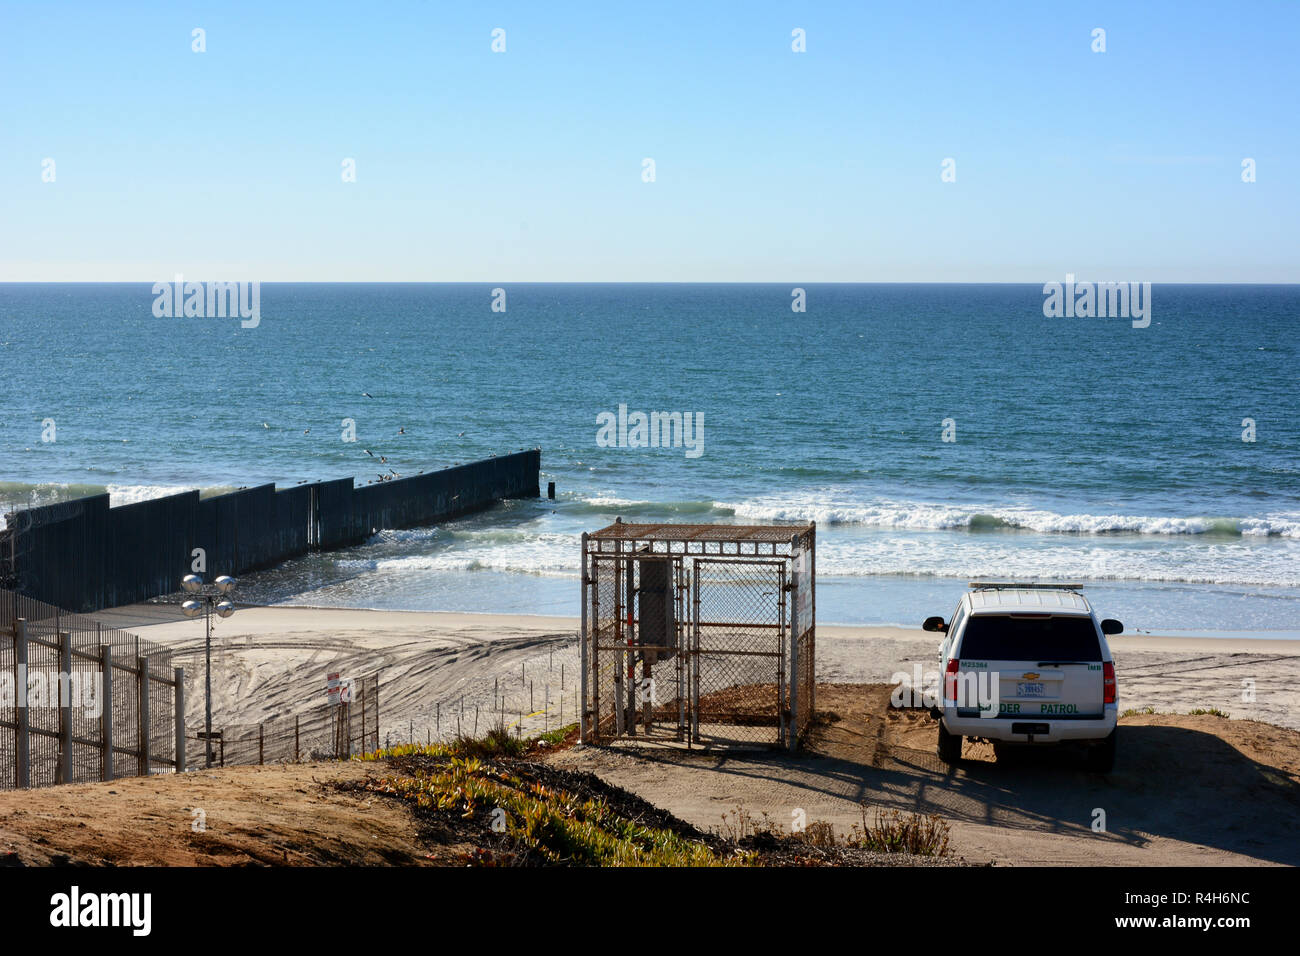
[(738, 663), (636, 668)]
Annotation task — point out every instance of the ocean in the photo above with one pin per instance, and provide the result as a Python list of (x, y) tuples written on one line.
[(1077, 448)]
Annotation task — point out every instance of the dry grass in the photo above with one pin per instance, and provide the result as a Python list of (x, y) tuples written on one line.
[(891, 831), (885, 831)]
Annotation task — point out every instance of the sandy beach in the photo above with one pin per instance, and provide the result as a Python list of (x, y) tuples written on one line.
[(274, 660)]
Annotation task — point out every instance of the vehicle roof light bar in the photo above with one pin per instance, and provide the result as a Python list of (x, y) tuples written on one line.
[(1019, 585)]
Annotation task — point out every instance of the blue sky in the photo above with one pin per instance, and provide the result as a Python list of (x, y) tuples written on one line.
[(770, 165)]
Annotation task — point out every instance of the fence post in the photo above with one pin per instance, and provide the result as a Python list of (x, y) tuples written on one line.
[(261, 744), (582, 649), (142, 688), (792, 730), (20, 711), (106, 714), (179, 676), (65, 706), (295, 739)]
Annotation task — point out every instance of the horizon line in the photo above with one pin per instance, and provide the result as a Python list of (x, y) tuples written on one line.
[(1078, 281)]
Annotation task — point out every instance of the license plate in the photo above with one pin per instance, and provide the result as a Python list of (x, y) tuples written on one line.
[(1034, 689)]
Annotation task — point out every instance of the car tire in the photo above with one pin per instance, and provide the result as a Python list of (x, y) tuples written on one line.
[(949, 748), (1101, 756)]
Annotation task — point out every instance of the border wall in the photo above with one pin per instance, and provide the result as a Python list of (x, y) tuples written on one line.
[(82, 555)]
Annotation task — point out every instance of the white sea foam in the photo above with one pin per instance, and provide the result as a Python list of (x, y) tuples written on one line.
[(836, 508), (861, 551), (119, 495), (922, 516)]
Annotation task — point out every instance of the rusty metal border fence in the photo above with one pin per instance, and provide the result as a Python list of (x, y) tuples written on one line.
[(82, 702), (84, 555), (743, 655)]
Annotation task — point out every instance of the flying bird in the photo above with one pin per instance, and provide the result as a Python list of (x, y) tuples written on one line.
[(367, 394)]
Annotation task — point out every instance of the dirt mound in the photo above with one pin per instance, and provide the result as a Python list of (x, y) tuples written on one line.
[(273, 815)]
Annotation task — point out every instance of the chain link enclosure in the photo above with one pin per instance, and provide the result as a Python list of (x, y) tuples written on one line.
[(699, 634)]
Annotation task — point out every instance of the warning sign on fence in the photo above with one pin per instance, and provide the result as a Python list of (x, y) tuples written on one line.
[(338, 689)]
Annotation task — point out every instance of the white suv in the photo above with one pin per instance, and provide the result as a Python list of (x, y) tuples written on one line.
[(1027, 664)]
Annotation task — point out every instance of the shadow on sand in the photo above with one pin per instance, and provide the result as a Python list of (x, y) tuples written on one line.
[(1168, 782)]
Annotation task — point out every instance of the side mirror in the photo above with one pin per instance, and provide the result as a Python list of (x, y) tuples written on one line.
[(1111, 626), (934, 624)]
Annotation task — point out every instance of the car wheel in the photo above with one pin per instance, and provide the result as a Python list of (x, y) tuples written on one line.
[(949, 745), (1101, 756)]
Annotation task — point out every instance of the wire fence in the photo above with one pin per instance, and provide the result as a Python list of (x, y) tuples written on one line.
[(325, 732), (80, 701), (524, 695)]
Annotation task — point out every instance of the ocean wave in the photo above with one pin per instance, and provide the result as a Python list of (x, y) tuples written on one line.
[(406, 535), (918, 516), (1229, 560), (933, 516), (19, 495), (627, 507), (500, 560)]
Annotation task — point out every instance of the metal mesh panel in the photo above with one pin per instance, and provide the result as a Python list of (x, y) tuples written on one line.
[(8, 712), (126, 712), (634, 643), (807, 652), (87, 704), (605, 647), (42, 706), (739, 664), (162, 710)]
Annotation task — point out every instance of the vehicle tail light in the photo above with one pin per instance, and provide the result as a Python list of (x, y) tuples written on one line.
[(950, 680), (1108, 682)]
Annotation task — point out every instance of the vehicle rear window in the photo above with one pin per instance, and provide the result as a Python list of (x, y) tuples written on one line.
[(995, 637)]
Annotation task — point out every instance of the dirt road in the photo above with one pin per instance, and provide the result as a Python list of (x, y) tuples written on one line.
[(1197, 791)]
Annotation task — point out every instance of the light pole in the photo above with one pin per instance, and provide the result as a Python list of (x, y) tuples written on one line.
[(206, 601)]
